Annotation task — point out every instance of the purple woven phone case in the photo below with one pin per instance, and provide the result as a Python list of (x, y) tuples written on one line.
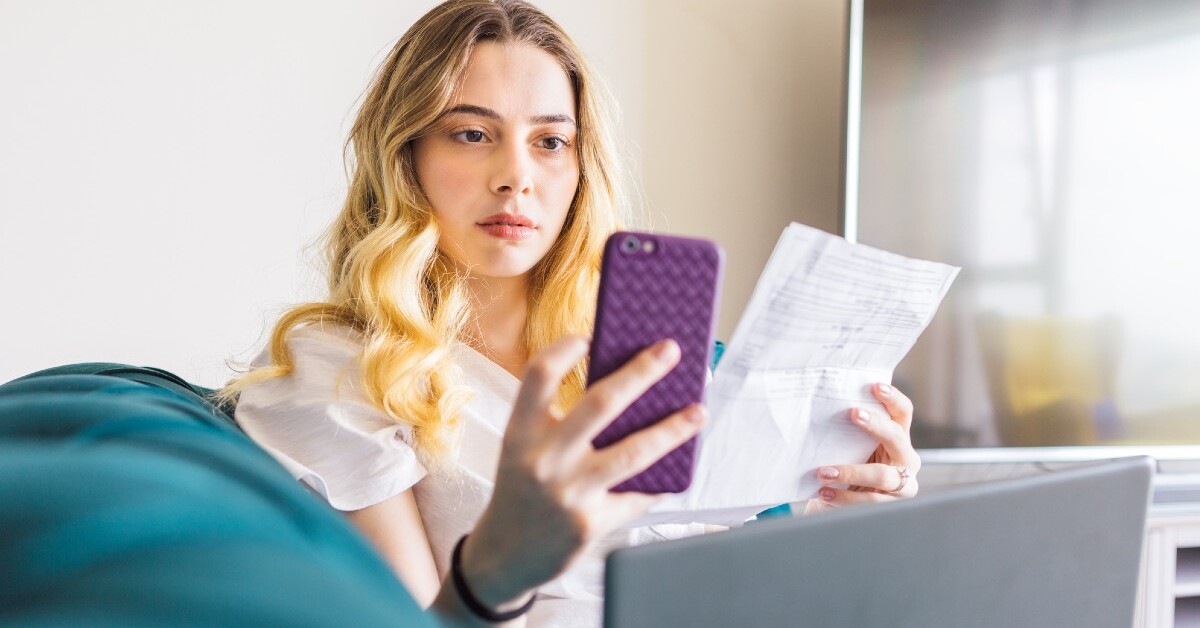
[(646, 296)]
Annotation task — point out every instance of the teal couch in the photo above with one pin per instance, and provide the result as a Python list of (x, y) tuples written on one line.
[(127, 499)]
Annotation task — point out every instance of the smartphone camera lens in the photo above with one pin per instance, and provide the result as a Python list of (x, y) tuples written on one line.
[(630, 245)]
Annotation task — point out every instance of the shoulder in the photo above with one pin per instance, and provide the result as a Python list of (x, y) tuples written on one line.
[(316, 346), (324, 358), (325, 379), (320, 425)]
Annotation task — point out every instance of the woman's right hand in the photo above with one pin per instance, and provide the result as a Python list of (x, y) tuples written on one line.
[(552, 494)]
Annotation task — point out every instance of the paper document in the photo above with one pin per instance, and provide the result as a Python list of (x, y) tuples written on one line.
[(827, 319)]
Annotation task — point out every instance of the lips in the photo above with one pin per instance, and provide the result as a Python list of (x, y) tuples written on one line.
[(507, 220), (508, 226)]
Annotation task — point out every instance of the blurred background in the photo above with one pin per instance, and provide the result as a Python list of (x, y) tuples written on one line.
[(1048, 147)]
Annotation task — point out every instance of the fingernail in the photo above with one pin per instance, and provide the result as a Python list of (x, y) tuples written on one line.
[(827, 494), (829, 473), (694, 415), (884, 390), (862, 416), (666, 350)]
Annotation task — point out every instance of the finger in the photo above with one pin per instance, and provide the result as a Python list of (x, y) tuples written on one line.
[(815, 506), (631, 455), (836, 498), (542, 377), (607, 398), (891, 435), (897, 404), (882, 477)]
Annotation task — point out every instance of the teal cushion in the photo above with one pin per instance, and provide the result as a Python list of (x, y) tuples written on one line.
[(135, 503)]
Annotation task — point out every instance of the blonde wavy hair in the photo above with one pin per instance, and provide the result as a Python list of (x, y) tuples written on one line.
[(387, 279)]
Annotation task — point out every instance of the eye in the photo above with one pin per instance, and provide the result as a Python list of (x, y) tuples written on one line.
[(470, 136), (554, 143)]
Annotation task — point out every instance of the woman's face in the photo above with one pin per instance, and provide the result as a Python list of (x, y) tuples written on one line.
[(500, 166)]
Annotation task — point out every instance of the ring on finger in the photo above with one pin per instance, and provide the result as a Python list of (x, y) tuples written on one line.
[(903, 479)]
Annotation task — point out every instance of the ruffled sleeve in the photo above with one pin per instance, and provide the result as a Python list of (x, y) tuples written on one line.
[(319, 425)]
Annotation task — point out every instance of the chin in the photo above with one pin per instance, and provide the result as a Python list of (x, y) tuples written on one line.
[(506, 267)]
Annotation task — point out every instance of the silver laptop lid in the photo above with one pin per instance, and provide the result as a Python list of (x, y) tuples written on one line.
[(1056, 550)]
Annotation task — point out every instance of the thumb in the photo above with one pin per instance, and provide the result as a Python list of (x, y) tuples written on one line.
[(543, 375)]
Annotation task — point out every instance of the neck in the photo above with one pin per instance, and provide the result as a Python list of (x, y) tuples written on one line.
[(500, 308)]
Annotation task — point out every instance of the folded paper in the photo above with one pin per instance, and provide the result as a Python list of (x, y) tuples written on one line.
[(828, 318)]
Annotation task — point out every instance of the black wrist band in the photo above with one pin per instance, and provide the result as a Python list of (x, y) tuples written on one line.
[(478, 608)]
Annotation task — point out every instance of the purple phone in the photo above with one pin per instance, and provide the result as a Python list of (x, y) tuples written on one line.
[(654, 287)]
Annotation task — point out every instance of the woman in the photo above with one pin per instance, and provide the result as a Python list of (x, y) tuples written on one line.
[(447, 356)]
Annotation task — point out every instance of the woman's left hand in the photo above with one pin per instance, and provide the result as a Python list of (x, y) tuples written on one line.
[(891, 471)]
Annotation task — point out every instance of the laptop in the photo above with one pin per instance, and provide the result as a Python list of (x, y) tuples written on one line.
[(1057, 550)]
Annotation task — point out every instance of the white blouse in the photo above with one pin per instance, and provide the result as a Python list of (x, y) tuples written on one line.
[(320, 426)]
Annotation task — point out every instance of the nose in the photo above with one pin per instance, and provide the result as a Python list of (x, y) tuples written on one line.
[(512, 174)]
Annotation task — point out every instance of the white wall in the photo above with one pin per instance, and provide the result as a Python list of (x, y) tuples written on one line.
[(164, 165)]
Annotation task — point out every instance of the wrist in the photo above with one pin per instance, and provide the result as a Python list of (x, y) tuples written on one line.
[(486, 578)]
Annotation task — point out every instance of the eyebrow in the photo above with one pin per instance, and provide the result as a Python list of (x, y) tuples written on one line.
[(484, 112)]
